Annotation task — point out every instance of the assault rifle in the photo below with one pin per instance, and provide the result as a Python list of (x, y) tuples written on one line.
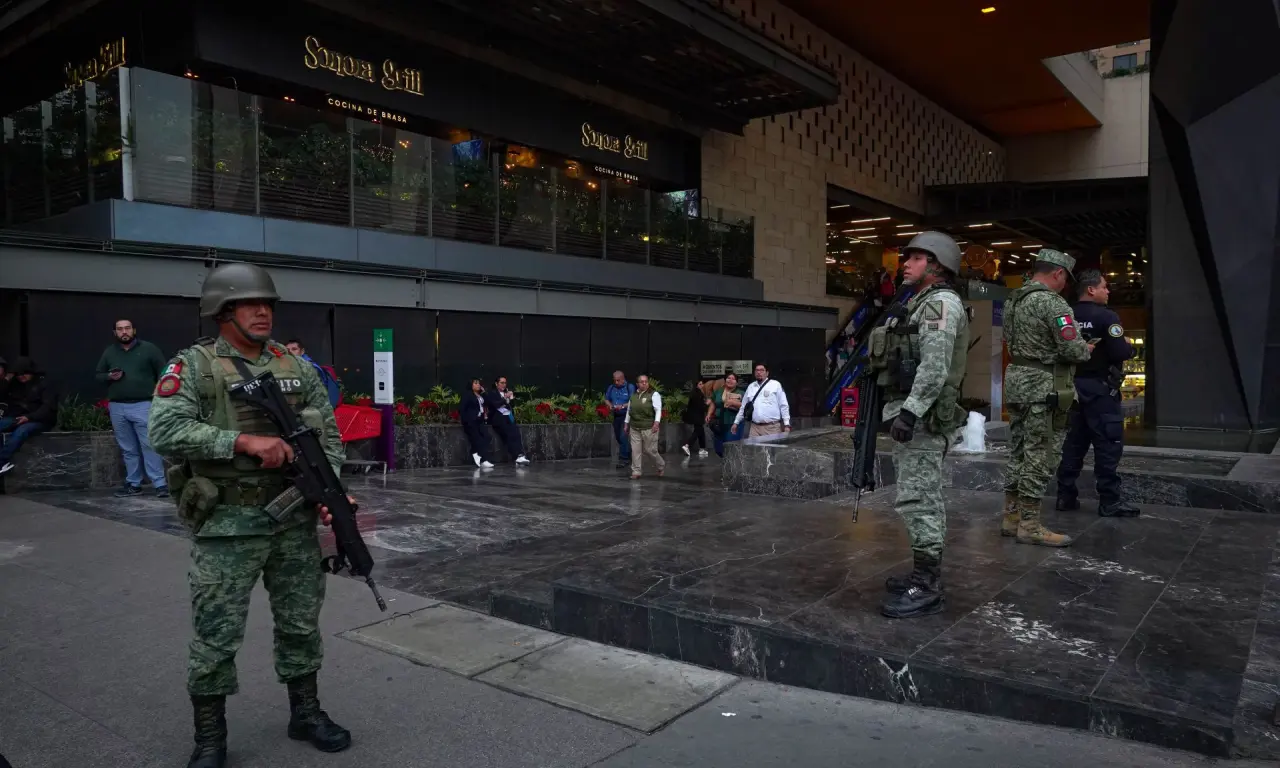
[(870, 410), (314, 480)]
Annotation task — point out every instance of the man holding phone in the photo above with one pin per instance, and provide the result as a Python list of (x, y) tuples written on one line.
[(130, 368)]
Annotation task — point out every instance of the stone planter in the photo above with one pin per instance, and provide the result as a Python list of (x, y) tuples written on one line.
[(445, 445), (60, 461)]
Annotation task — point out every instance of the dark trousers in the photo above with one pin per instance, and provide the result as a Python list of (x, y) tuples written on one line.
[(478, 438), (509, 434), (722, 435), (696, 435), (1096, 420), (624, 442)]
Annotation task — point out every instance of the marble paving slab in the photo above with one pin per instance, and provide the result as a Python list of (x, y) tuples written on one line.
[(1164, 629)]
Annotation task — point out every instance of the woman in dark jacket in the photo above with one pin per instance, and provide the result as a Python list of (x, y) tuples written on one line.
[(471, 413), (499, 402), (695, 415)]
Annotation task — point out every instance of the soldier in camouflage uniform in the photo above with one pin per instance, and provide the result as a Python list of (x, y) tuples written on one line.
[(1039, 387), (228, 467), (922, 364)]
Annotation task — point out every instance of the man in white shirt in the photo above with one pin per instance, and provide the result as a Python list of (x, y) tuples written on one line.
[(767, 403), (643, 420)]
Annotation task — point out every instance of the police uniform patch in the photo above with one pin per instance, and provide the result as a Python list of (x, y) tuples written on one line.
[(1115, 331), (168, 385)]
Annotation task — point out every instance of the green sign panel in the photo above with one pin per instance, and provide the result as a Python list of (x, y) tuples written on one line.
[(381, 339)]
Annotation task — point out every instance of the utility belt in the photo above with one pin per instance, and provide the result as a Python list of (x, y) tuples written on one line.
[(197, 496), (1062, 395)]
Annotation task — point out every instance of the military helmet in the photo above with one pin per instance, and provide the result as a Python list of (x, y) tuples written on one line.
[(235, 282), (940, 246)]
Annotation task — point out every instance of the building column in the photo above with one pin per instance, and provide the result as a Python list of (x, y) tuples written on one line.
[(1215, 205)]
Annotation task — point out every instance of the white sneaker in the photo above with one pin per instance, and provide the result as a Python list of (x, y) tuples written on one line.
[(486, 465), (522, 459), (702, 454), (8, 466), (685, 448), (476, 458)]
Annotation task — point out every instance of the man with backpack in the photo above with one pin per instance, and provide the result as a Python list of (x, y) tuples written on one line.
[(326, 373)]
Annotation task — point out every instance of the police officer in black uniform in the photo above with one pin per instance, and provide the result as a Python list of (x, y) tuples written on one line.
[(1097, 419)]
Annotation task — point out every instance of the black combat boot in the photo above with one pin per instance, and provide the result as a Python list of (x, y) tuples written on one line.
[(923, 593), (1066, 503), (308, 722), (1117, 509), (210, 715)]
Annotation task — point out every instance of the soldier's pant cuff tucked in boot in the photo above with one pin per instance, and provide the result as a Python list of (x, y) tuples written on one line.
[(1009, 524), (1031, 531), (210, 716), (1117, 509), (308, 722), (922, 595)]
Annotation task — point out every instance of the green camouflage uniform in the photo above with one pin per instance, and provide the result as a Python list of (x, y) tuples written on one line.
[(194, 420), (940, 343), (1044, 346)]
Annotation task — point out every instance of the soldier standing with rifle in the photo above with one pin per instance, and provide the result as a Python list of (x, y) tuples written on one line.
[(229, 477), (921, 365), (1044, 346)]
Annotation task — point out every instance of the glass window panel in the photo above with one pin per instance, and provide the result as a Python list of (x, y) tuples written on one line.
[(463, 202), (24, 164), (105, 137), (526, 199), (66, 164), (627, 214), (578, 216), (392, 178), (670, 235), (304, 164)]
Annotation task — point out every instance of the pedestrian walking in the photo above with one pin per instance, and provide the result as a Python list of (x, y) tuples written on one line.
[(643, 420)]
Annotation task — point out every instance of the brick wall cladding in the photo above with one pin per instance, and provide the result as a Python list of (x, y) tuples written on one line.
[(882, 140)]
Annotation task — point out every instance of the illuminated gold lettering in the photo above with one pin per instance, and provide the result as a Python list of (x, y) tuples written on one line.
[(627, 146), (396, 79), (316, 56), (636, 149), (110, 56)]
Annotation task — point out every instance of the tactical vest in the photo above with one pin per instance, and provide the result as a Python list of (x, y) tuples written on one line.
[(894, 350), (1062, 387), (217, 376), (642, 413)]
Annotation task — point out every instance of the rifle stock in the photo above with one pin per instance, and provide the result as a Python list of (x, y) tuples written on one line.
[(313, 477)]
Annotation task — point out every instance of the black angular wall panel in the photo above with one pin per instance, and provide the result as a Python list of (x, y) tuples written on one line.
[(1215, 210)]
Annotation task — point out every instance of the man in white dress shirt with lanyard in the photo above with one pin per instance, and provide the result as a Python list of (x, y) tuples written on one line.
[(765, 404)]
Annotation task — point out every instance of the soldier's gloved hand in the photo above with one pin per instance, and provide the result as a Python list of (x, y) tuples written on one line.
[(903, 427)]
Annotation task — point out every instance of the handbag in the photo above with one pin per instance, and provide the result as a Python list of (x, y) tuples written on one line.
[(750, 407)]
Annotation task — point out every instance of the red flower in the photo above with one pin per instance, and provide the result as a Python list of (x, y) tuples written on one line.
[(602, 411), (575, 409), (561, 414), (365, 401), (427, 405), (402, 409), (544, 409), (104, 403), (453, 415)]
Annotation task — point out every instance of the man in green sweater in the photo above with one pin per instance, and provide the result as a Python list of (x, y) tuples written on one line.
[(130, 368)]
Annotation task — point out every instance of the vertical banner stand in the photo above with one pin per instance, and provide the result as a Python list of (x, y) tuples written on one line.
[(384, 394)]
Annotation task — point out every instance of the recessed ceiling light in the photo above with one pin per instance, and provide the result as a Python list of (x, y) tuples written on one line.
[(861, 229), (976, 226), (842, 205), (1030, 247), (905, 234), (904, 226), (989, 9), (865, 221), (1004, 242)]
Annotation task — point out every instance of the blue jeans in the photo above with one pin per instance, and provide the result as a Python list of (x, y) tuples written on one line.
[(624, 442), (17, 435), (129, 420)]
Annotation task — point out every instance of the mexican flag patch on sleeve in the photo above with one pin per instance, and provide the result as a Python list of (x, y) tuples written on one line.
[(1066, 327)]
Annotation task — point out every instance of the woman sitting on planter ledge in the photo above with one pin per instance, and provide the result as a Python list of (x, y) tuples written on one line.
[(499, 402), (471, 414)]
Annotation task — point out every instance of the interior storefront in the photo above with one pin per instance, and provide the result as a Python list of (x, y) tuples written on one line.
[(351, 127)]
